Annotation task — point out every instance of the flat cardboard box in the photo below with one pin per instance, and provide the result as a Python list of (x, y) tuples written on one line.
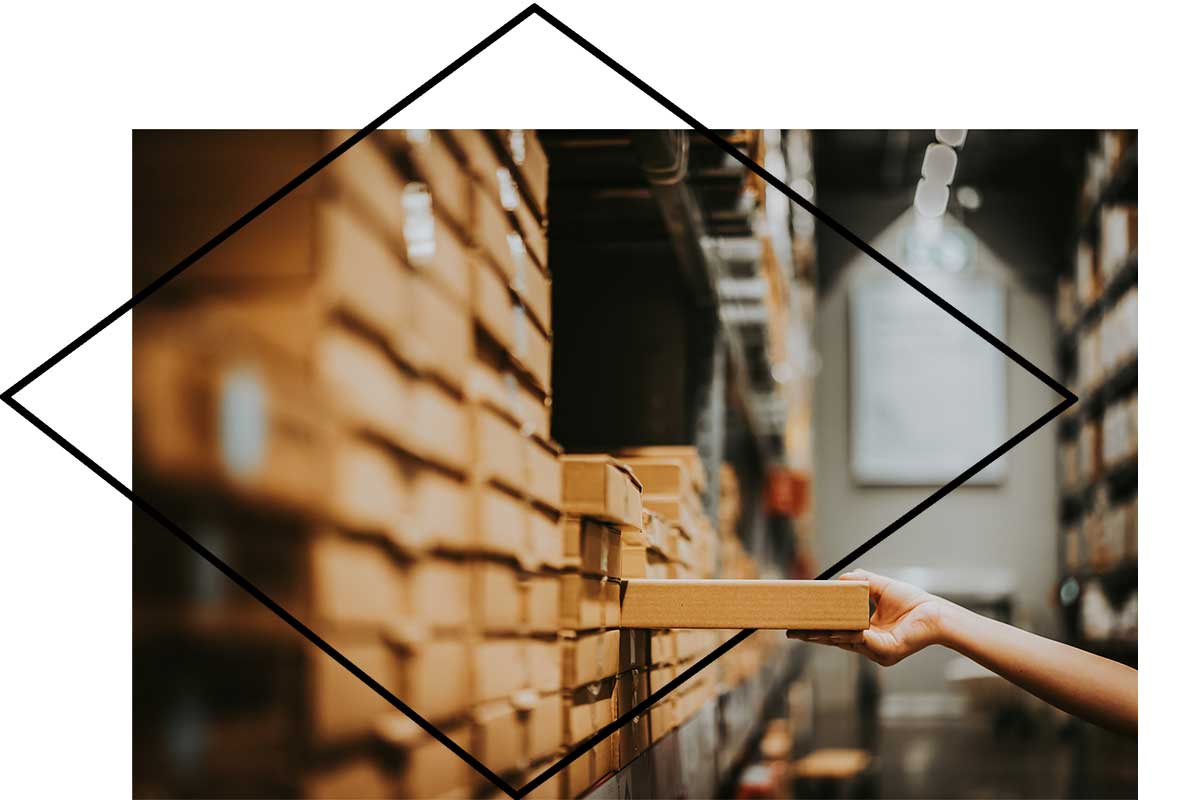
[(355, 583), (428, 768), (439, 509), (500, 667), (404, 212), (341, 708), (676, 512), (543, 727), (533, 168), (544, 480), (437, 681), (686, 453), (502, 523), (600, 487), (361, 776), (545, 658), (727, 604), (492, 739), (589, 603), (500, 451), (633, 738), (368, 489), (661, 475), (662, 647), (591, 547), (545, 540), (497, 596), (591, 657), (192, 373), (531, 348), (589, 709), (439, 594), (499, 387), (433, 162), (541, 603)]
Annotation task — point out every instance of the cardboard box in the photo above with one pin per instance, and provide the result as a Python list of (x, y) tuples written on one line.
[(541, 603), (589, 603), (501, 452), (591, 657), (502, 523), (544, 480), (789, 605), (361, 776), (686, 454), (532, 167), (438, 509), (633, 738), (661, 475), (438, 594), (216, 408), (493, 741), (600, 487), (497, 385), (404, 212), (368, 489), (500, 668), (543, 727), (427, 768), (355, 583), (432, 162), (340, 707), (545, 540), (591, 547), (589, 709), (545, 658), (498, 597), (677, 512)]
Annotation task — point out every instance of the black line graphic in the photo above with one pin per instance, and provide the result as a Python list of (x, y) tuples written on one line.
[(9, 397)]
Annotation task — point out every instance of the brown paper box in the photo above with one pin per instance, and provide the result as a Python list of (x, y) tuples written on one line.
[(591, 657), (545, 535), (544, 480), (633, 738), (543, 728), (533, 169), (541, 603), (687, 454), (597, 486), (435, 165), (503, 522), (355, 583), (727, 604), (494, 741), (501, 452), (341, 707), (545, 658), (439, 593), (582, 603), (500, 667), (591, 547), (497, 596)]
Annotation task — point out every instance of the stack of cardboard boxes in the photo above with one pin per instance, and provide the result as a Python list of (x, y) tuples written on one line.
[(368, 365)]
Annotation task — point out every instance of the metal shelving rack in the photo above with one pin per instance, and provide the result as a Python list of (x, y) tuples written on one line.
[(654, 233), (1118, 481)]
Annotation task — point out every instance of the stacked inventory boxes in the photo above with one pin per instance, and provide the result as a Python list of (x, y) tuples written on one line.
[(348, 402)]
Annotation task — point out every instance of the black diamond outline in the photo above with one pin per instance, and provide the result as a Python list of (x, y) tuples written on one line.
[(583, 747)]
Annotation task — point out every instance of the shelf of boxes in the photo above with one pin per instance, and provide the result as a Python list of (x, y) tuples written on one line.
[(349, 403), (1097, 319)]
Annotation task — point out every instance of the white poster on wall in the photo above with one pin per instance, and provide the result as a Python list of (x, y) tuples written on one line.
[(927, 394)]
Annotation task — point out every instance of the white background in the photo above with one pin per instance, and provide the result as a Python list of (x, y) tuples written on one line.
[(79, 77)]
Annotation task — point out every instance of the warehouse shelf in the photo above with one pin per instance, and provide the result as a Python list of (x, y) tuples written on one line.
[(1124, 278), (1120, 186), (1119, 479)]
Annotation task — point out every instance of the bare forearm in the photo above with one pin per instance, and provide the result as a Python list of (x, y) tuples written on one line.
[(1078, 682)]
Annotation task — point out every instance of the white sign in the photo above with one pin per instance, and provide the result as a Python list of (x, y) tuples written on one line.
[(927, 393)]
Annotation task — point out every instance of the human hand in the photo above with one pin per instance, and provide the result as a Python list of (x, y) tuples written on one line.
[(906, 619)]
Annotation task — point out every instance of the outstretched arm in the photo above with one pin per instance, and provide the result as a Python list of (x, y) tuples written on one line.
[(907, 619)]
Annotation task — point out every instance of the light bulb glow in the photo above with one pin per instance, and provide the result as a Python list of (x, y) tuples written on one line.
[(931, 198), (940, 163), (951, 136)]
